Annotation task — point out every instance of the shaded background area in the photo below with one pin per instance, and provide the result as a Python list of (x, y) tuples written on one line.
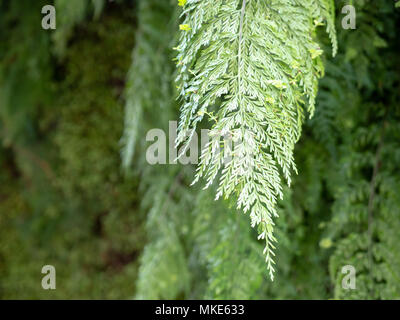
[(63, 199), (67, 95)]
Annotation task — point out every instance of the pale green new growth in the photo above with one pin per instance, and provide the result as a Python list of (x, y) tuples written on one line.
[(251, 66)]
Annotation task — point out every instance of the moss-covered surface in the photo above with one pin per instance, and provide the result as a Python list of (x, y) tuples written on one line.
[(63, 199)]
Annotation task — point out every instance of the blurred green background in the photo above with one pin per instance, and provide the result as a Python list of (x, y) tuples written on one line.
[(113, 233), (63, 199)]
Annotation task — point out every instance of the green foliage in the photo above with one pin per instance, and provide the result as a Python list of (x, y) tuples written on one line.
[(184, 236), (149, 78), (232, 62), (144, 232), (63, 200), (232, 258), (363, 133), (32, 77), (316, 214), (70, 13)]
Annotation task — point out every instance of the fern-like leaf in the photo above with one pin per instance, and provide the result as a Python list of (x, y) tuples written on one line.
[(252, 63)]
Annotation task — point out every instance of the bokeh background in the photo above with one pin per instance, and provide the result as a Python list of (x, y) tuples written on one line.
[(76, 191)]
